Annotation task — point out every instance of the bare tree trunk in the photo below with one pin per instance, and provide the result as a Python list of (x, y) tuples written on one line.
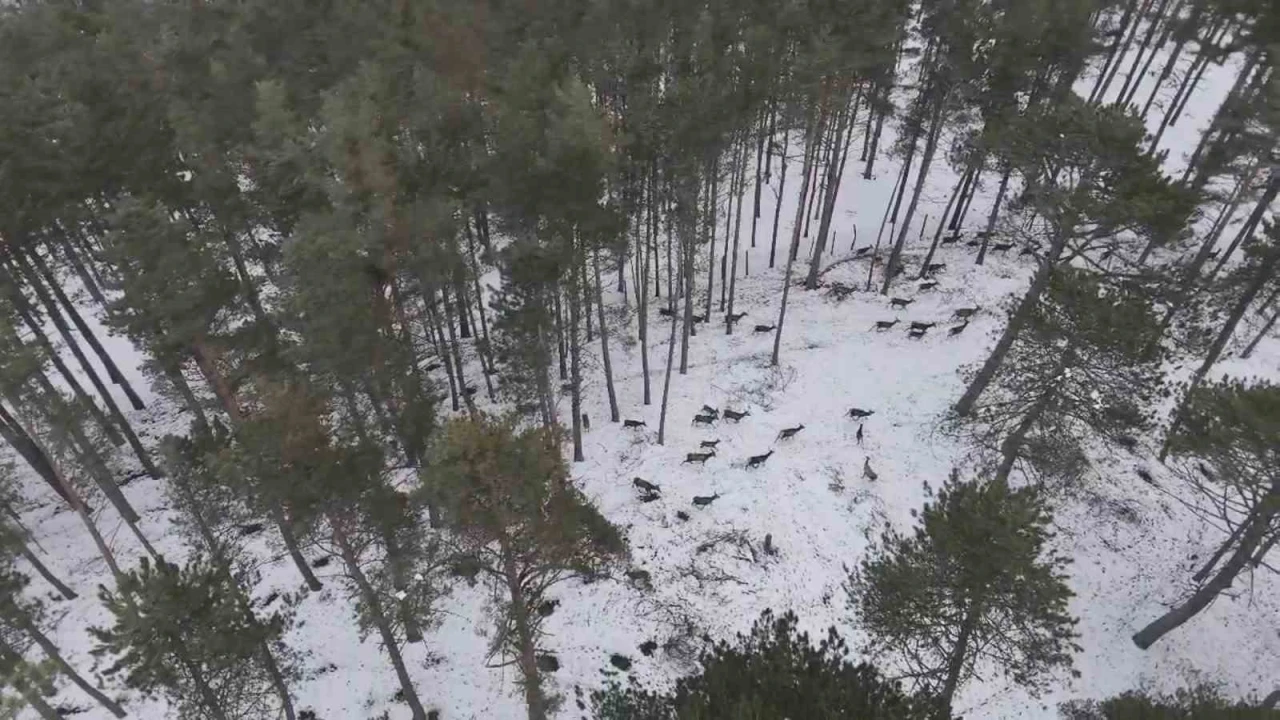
[(930, 147), (1251, 224), (875, 136), (575, 358), (737, 227), (173, 374), (1129, 37), (712, 207), (29, 691), (643, 317), (814, 131), (1222, 580), (1017, 321), (33, 453), (604, 341), (51, 651), (1112, 61), (937, 234), (1174, 55), (835, 173), (291, 545), (45, 573), (1135, 75), (559, 327), (456, 352), (73, 259), (1248, 351), (955, 662), (373, 605), (113, 371), (483, 346), (535, 700), (121, 422), (432, 322), (994, 214), (782, 186)]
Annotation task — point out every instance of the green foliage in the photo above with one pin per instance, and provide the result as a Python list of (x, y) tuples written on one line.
[(1234, 426), (775, 672), (186, 633), (974, 586), (1200, 702)]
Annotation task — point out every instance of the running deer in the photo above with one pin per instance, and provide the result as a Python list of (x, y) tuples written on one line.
[(735, 416), (899, 302), (700, 458), (756, 461), (705, 500), (884, 324), (964, 313), (867, 472), (788, 433), (958, 329), (704, 419), (859, 413), (633, 424), (645, 485), (711, 444), (764, 328)]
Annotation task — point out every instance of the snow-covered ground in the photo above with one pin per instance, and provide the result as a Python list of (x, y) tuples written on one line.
[(1132, 543)]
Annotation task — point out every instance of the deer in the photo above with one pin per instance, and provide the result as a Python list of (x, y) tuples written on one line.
[(958, 329), (666, 311), (705, 500), (862, 251), (859, 435), (764, 328), (709, 444), (708, 410), (698, 319), (735, 416), (1028, 250), (867, 472), (916, 333), (899, 302), (932, 284), (734, 317), (704, 419), (965, 313), (950, 240), (884, 325), (982, 234), (973, 243), (432, 367), (700, 458), (633, 424), (645, 485), (922, 325), (1001, 247), (788, 433), (859, 413), (934, 268), (756, 461)]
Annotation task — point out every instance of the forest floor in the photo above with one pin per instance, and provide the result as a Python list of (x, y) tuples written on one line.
[(1134, 544)]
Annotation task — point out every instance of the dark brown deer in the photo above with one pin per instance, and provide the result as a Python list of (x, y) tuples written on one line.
[(922, 325), (916, 333), (645, 485), (928, 285), (950, 240), (756, 461), (934, 268), (862, 251), (899, 302), (735, 317), (867, 472), (884, 324), (965, 313), (711, 444), (958, 329), (859, 435), (708, 410), (633, 424), (735, 416), (788, 433), (704, 419), (764, 328), (859, 413), (700, 458), (705, 500), (1001, 247)]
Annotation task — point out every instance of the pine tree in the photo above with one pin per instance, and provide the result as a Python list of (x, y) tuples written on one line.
[(1087, 364), (1232, 428), (974, 587), (775, 671), (506, 496), (182, 632), (1199, 702)]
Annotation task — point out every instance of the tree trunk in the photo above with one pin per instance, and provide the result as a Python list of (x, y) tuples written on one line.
[(813, 133), (483, 346), (29, 691), (604, 341), (1222, 580), (211, 704), (113, 371), (575, 359), (875, 136), (456, 352), (994, 214), (1251, 224), (73, 259), (666, 382), (45, 573), (737, 228), (955, 663), (432, 321), (642, 317), (1253, 345), (1128, 43), (1174, 55), (24, 311), (937, 233), (277, 681), (173, 373), (1017, 322), (20, 440), (51, 651), (535, 700), (1113, 61), (1266, 269), (69, 338), (465, 321), (374, 607), (713, 206), (930, 147), (1152, 26), (835, 173), (1202, 170), (291, 545), (782, 186)]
